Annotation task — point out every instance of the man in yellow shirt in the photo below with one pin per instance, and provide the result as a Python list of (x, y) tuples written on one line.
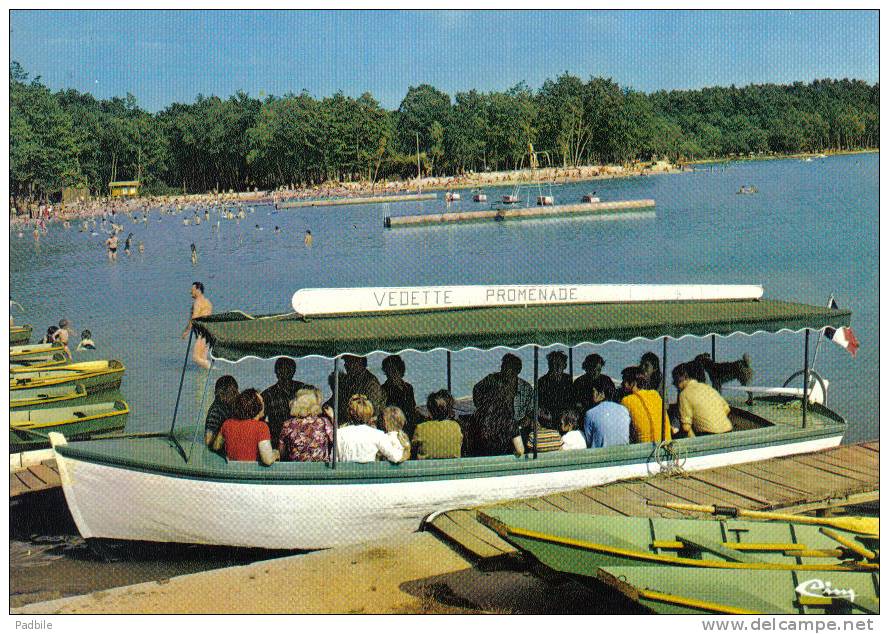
[(702, 410), (645, 407)]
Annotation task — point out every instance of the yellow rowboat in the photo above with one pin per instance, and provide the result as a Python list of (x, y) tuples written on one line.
[(28, 429), (34, 351), (20, 334), (49, 396), (95, 376), (57, 359)]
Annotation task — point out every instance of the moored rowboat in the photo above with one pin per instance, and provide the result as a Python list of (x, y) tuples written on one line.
[(36, 351), (581, 544), (704, 591), (53, 360), (19, 334), (47, 396), (95, 376), (28, 429)]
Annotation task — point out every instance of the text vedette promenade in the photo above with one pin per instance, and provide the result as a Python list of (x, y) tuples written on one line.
[(420, 298)]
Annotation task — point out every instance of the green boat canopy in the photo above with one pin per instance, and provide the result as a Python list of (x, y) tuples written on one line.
[(235, 335)]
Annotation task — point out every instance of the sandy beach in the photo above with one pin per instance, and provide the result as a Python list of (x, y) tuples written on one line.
[(407, 574)]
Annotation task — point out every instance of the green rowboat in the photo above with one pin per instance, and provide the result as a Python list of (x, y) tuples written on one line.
[(664, 591), (19, 334), (95, 376), (28, 429), (582, 544)]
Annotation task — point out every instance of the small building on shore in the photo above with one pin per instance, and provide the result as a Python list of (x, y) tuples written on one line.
[(124, 189)]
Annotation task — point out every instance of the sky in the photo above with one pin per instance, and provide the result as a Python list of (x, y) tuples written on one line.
[(163, 57)]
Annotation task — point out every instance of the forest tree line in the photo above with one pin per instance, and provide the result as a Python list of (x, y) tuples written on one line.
[(71, 139)]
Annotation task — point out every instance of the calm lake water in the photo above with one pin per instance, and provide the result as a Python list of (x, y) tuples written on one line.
[(811, 230)]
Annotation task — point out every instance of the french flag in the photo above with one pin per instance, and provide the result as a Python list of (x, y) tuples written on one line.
[(842, 336)]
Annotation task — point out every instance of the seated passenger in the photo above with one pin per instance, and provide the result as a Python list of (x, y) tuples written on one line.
[(702, 410), (399, 392), (554, 390), (592, 367), (393, 425), (606, 423), (246, 438), (572, 437), (645, 407), (651, 368), (494, 430), (222, 408), (358, 440), (278, 396), (440, 437), (308, 435), (547, 440), (359, 380), (521, 392)]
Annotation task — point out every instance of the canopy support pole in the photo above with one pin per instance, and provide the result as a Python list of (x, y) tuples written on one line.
[(712, 354), (536, 423), (336, 409), (571, 362), (806, 378), (201, 410), (820, 337), (178, 396), (664, 392), (450, 390)]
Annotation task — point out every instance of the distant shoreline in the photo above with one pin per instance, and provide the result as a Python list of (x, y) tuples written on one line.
[(480, 180)]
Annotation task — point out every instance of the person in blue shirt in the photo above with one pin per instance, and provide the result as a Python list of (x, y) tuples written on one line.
[(606, 423)]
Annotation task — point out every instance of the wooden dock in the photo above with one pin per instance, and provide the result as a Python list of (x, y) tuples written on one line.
[(579, 209), (34, 478), (814, 482), (366, 200)]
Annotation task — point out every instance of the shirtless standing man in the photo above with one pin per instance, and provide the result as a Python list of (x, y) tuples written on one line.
[(200, 307), (111, 243)]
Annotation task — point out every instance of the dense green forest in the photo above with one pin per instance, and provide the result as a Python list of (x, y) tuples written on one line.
[(69, 138)]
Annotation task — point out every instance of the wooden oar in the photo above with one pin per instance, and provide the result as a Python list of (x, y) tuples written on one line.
[(852, 545), (853, 524)]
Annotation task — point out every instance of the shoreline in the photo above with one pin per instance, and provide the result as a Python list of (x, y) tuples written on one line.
[(336, 190)]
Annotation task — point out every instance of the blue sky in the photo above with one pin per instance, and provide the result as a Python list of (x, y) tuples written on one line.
[(166, 56)]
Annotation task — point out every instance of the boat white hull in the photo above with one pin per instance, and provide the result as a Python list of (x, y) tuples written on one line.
[(118, 503)]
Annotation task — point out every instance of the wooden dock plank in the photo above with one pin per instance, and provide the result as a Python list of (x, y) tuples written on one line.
[(620, 500), (16, 486), (467, 520), (30, 481), (699, 492), (804, 482), (46, 474), (577, 502), (834, 469), (756, 489), (468, 540), (816, 482)]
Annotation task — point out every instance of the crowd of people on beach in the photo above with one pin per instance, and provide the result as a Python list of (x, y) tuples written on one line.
[(381, 421)]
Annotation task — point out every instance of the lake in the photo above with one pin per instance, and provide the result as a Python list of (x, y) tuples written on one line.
[(812, 229)]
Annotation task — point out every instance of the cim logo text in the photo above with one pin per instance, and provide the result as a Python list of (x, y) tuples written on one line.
[(824, 590)]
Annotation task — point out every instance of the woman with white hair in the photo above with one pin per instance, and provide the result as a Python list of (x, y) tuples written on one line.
[(308, 435)]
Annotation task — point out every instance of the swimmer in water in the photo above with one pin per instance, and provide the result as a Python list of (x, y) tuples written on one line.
[(194, 254), (86, 341), (141, 247), (277, 229), (308, 239), (126, 244)]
